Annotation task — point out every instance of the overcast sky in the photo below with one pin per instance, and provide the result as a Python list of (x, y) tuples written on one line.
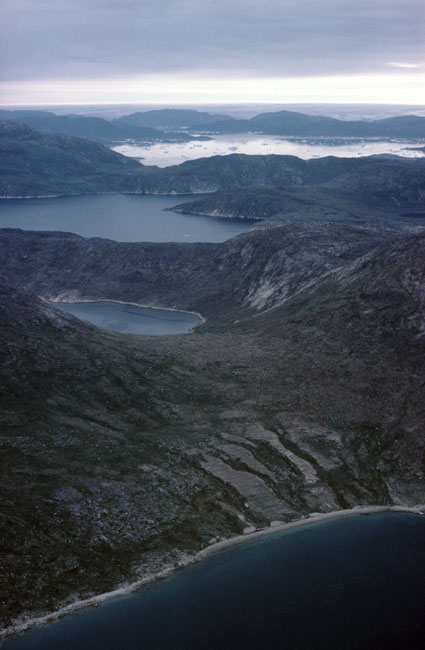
[(149, 50)]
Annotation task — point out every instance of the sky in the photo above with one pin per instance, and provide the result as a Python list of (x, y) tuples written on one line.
[(212, 51)]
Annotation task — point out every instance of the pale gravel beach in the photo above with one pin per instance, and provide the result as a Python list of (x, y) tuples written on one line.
[(187, 560)]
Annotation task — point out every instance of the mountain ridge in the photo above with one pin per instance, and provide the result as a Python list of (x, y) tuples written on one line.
[(93, 128), (34, 163)]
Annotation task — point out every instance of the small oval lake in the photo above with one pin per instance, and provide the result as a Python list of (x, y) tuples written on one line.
[(121, 217), (344, 584), (132, 319)]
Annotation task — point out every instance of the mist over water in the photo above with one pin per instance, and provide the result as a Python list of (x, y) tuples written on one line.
[(164, 155)]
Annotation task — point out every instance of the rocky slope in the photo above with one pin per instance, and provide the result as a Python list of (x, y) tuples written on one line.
[(123, 454), (222, 281), (242, 171), (33, 163), (380, 191)]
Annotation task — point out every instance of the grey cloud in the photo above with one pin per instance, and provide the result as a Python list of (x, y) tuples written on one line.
[(45, 39)]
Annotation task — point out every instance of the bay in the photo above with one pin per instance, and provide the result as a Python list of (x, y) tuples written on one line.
[(164, 155), (121, 217), (344, 584), (132, 319)]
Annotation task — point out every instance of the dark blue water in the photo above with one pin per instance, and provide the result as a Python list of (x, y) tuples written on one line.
[(121, 217), (131, 319), (350, 584)]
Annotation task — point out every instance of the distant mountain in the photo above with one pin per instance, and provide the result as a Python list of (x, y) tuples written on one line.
[(300, 125), (93, 128), (34, 163), (169, 125), (376, 190), (237, 171), (170, 118)]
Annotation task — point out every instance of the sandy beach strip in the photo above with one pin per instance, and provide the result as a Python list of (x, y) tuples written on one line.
[(299, 523), (21, 626)]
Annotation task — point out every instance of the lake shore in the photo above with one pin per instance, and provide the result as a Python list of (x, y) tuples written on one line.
[(73, 300), (216, 547)]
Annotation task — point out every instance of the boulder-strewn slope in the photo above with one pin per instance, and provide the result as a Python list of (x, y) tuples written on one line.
[(122, 453)]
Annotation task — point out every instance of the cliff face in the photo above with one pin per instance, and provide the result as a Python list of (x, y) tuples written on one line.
[(222, 281), (123, 453)]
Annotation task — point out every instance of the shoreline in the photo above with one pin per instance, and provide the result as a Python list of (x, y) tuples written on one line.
[(134, 304), (11, 197), (212, 549)]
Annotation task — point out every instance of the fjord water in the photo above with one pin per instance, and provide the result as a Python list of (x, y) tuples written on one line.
[(122, 217), (164, 155), (131, 319), (344, 584)]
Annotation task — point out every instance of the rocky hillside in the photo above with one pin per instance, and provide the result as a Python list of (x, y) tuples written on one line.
[(125, 454), (33, 163), (223, 281), (379, 191)]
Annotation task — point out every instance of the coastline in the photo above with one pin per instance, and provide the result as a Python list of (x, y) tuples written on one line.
[(214, 548), (215, 216), (57, 196), (124, 302)]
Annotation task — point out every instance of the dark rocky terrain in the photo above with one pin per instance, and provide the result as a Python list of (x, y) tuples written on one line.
[(302, 392), (222, 281), (383, 201)]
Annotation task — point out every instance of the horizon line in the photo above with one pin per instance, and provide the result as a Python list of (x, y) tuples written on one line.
[(206, 103)]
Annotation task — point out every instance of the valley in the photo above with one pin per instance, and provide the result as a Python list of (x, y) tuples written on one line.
[(301, 392)]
